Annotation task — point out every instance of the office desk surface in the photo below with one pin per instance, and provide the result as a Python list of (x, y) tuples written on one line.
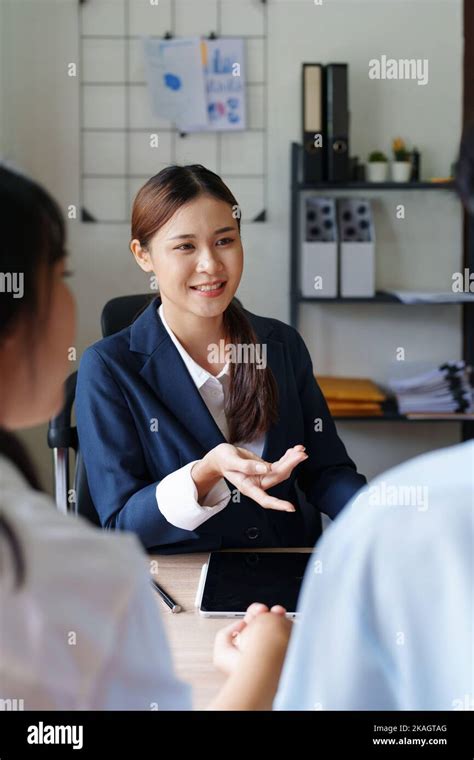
[(191, 636)]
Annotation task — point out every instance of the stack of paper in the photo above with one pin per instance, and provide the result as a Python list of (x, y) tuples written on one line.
[(442, 390), (352, 396)]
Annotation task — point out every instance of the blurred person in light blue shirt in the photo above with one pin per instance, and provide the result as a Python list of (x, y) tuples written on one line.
[(388, 598)]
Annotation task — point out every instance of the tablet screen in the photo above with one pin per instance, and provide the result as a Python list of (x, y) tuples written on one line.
[(236, 579)]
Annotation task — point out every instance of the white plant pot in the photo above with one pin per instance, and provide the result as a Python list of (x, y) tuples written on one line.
[(401, 171), (377, 171)]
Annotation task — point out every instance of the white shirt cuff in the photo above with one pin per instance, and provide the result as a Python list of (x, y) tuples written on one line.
[(177, 499)]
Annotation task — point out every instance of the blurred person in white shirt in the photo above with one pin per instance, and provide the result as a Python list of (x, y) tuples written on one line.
[(79, 626)]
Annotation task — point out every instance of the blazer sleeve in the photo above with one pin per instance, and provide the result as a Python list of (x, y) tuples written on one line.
[(328, 478), (120, 484)]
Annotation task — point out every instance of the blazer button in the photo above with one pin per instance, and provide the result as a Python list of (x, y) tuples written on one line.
[(252, 533)]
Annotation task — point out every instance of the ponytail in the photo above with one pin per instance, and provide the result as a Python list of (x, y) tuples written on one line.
[(252, 404)]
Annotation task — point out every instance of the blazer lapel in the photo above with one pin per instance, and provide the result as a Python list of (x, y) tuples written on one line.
[(167, 375)]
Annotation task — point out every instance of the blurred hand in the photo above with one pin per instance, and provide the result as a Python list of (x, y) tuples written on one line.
[(262, 630)]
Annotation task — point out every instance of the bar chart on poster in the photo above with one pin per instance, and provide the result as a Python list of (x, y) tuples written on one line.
[(166, 82)]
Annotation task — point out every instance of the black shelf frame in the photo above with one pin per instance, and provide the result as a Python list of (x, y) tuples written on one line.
[(397, 418), (297, 187), (442, 185), (380, 297)]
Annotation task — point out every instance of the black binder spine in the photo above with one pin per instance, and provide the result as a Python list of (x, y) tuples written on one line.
[(337, 110)]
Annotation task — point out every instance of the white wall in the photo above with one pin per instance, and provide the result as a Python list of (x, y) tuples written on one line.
[(420, 252), (42, 135)]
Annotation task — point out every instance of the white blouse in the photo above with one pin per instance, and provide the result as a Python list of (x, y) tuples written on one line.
[(84, 631), (177, 495)]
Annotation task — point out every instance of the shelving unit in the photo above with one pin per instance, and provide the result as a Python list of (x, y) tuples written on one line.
[(375, 185), (297, 187), (380, 297)]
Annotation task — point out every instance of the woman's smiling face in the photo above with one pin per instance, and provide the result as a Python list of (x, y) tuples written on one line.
[(200, 245)]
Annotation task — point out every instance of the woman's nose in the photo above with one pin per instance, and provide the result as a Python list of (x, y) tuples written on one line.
[(209, 262)]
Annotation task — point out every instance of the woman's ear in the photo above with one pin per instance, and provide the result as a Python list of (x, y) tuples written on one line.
[(141, 255)]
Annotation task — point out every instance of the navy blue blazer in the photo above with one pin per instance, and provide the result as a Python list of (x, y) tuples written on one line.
[(137, 375)]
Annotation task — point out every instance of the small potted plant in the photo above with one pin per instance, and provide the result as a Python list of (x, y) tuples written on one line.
[(401, 166), (377, 167)]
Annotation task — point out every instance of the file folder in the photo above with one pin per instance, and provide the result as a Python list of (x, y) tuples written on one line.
[(314, 139), (337, 124)]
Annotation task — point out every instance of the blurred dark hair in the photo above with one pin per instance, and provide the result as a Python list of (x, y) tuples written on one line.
[(465, 169), (33, 240), (252, 404)]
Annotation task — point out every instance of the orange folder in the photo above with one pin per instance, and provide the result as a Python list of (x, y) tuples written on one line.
[(350, 388)]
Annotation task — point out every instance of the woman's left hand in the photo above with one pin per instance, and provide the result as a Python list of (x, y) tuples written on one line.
[(283, 467)]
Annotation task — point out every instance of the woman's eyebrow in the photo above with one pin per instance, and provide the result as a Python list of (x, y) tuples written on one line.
[(191, 235)]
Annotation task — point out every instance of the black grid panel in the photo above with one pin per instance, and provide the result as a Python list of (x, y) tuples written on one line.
[(114, 142)]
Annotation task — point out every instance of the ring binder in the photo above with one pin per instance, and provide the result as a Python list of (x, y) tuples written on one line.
[(314, 147), (337, 109)]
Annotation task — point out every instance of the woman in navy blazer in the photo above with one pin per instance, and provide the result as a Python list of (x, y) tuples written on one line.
[(163, 459)]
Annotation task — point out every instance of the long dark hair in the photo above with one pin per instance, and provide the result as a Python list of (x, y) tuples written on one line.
[(252, 405), (33, 240)]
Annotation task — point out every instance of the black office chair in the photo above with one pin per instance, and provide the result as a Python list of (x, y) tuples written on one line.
[(62, 435)]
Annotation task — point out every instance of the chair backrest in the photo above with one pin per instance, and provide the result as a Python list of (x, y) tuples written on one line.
[(84, 504), (117, 313), (120, 312)]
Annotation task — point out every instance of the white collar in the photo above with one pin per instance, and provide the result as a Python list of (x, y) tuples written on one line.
[(199, 375)]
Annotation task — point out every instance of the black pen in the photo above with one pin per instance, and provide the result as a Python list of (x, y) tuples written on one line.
[(164, 596)]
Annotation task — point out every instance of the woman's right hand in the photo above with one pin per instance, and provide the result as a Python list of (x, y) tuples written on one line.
[(252, 476), (262, 633), (251, 653)]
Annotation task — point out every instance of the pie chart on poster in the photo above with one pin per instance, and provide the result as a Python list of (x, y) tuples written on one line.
[(172, 81)]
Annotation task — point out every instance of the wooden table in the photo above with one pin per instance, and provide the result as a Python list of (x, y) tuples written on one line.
[(191, 636)]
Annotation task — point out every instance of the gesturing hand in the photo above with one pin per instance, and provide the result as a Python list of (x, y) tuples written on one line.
[(252, 476)]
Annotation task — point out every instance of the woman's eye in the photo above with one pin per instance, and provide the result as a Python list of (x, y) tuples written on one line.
[(67, 273), (190, 247)]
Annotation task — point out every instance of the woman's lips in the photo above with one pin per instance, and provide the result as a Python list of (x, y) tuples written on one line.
[(210, 293)]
